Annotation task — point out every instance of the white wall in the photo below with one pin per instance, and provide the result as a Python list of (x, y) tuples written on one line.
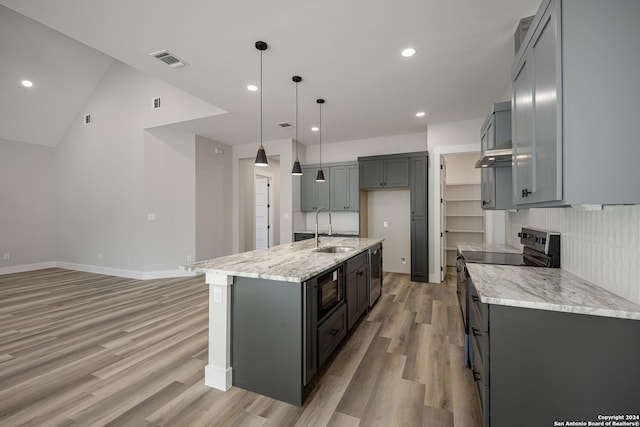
[(392, 206), (27, 200), (170, 194), (461, 168), (95, 188), (350, 150), (214, 199), (602, 247)]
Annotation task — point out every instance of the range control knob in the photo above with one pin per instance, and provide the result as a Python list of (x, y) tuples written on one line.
[(541, 240)]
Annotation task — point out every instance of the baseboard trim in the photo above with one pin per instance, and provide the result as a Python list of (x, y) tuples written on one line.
[(129, 274), (27, 267)]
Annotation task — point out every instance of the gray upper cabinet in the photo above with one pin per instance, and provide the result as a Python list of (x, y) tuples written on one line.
[(538, 141), (384, 173), (496, 182), (402, 171), (576, 103), (314, 194), (345, 188)]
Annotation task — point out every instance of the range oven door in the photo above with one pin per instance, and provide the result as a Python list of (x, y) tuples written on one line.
[(330, 291)]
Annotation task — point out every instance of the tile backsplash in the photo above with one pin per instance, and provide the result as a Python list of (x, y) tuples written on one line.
[(602, 247)]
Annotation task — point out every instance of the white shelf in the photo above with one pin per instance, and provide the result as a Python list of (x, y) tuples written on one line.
[(464, 218), (453, 184), (463, 200)]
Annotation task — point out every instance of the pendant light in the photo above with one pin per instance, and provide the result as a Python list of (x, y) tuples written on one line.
[(320, 177), (261, 157), (297, 170)]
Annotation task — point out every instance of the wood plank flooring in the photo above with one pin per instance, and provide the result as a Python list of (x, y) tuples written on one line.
[(81, 349)]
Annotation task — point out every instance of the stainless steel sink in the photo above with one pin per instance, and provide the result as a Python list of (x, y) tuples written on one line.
[(335, 249)]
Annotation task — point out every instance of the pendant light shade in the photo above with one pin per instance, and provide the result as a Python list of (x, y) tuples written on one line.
[(297, 170), (320, 177), (261, 157)]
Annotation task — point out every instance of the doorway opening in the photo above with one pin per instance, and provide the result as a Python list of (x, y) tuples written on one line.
[(263, 212)]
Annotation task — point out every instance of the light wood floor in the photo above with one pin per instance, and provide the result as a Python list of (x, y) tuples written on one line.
[(86, 349)]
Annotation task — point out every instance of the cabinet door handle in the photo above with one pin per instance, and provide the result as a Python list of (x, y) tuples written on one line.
[(476, 332), (475, 298), (476, 375), (334, 332), (525, 192)]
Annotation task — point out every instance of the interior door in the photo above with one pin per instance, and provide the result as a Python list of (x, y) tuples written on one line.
[(262, 212), (443, 225)]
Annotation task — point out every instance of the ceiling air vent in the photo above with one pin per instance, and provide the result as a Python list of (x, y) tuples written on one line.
[(285, 125), (169, 58)]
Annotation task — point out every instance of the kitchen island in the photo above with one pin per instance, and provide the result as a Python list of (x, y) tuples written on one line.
[(264, 330)]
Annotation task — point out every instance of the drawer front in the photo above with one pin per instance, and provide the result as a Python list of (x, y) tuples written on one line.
[(356, 262), (330, 333)]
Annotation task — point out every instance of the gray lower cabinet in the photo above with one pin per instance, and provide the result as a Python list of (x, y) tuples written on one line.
[(271, 324), (331, 332), (419, 233), (390, 172), (575, 105), (357, 298), (535, 367), (345, 188), (314, 195)]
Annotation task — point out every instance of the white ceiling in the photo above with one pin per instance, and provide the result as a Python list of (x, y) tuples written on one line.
[(347, 51)]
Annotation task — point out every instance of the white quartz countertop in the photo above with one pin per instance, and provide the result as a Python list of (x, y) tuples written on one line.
[(547, 289), (487, 247), (290, 262)]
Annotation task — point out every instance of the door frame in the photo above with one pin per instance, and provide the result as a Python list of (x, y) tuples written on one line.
[(435, 206), (271, 179)]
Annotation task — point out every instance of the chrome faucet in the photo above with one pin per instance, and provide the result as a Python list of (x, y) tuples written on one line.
[(317, 238)]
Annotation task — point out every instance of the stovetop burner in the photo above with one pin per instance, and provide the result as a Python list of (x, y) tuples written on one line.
[(541, 249)]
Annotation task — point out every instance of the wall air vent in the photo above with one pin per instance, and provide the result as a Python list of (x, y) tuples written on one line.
[(87, 119), (156, 103), (169, 58), (285, 125)]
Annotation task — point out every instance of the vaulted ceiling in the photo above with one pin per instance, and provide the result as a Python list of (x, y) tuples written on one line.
[(347, 52)]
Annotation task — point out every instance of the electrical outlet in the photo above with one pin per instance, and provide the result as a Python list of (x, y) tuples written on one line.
[(188, 258), (217, 295), (403, 260), (385, 224), (7, 256)]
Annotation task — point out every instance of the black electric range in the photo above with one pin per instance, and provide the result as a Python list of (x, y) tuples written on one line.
[(540, 249)]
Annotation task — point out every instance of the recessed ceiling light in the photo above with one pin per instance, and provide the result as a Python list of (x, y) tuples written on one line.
[(420, 114), (408, 52), (252, 88), (27, 83), (315, 128)]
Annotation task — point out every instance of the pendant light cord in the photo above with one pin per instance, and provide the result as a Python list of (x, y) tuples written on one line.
[(296, 121), (320, 136), (261, 89)]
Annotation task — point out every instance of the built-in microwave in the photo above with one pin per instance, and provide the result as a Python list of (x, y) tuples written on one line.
[(330, 291)]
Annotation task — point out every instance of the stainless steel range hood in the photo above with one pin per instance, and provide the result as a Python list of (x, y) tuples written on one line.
[(497, 157)]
